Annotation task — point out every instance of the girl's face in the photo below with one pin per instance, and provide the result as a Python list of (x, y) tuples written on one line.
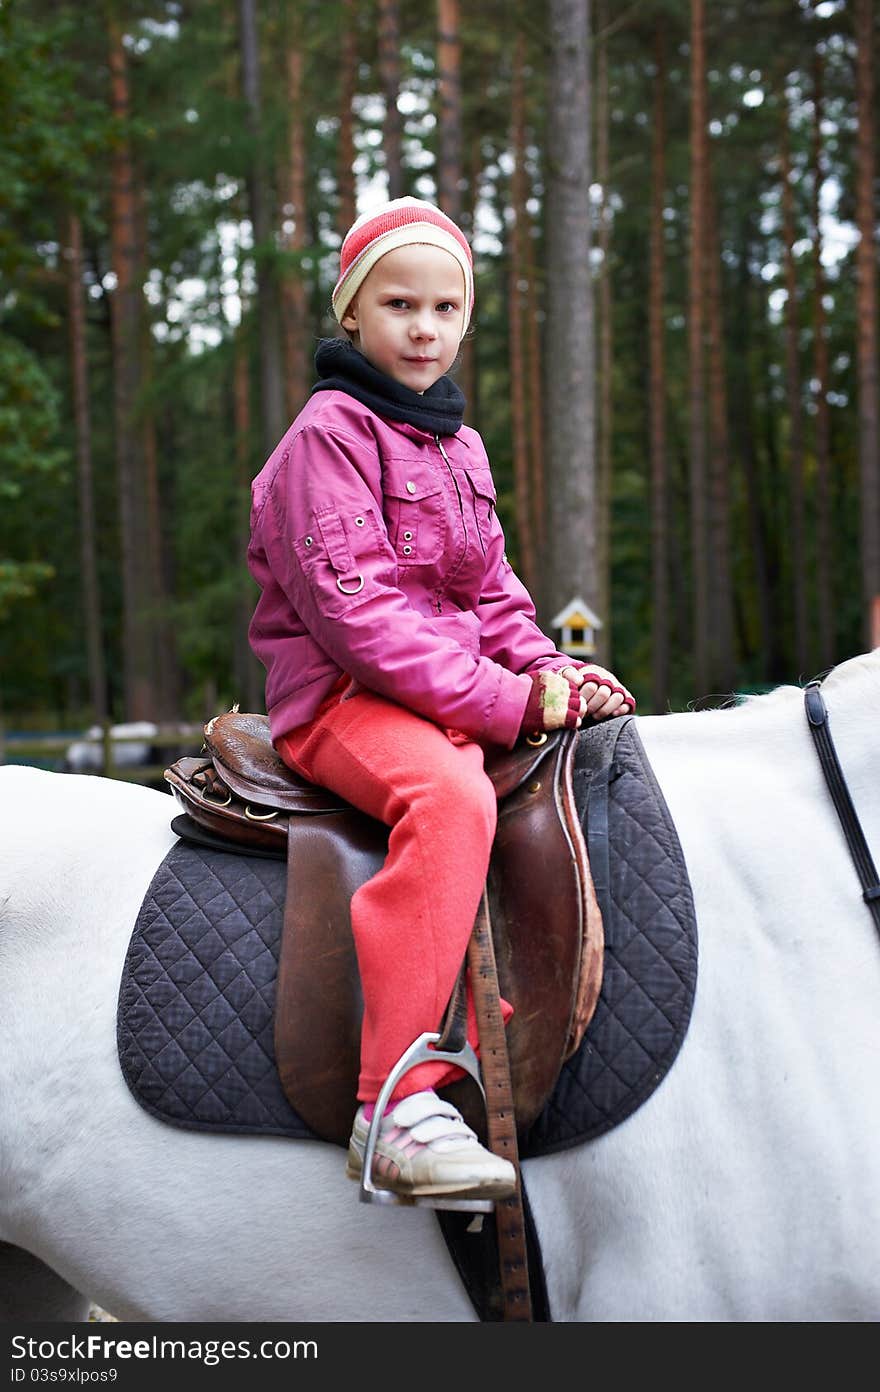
[(408, 316)]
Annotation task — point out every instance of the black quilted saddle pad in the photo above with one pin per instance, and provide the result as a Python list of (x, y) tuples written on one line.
[(197, 995), (197, 998)]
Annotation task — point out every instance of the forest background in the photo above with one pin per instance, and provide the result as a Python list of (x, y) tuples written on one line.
[(673, 363)]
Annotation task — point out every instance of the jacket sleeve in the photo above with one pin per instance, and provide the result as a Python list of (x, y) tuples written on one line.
[(509, 633), (325, 539)]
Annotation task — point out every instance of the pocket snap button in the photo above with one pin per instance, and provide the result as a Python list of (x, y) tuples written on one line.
[(410, 487), (358, 521)]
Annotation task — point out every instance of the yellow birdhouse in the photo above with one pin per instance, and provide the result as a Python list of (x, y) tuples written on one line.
[(577, 625)]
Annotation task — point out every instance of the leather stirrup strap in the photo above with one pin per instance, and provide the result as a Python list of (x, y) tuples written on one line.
[(500, 1120), (453, 1034)]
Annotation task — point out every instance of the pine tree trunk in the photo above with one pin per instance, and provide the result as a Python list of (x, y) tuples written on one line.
[(824, 526), (605, 641), (797, 526), (754, 478), (535, 395), (449, 88), (866, 318), (269, 330), (295, 304), (515, 313), (660, 693), (249, 673), (389, 71), (162, 629), (571, 551), (126, 328), (466, 364), (721, 599), (347, 211), (88, 548), (696, 350)]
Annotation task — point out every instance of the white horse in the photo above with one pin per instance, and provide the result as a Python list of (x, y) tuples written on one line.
[(747, 1187)]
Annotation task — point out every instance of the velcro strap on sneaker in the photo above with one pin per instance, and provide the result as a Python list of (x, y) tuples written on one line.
[(418, 1107), (438, 1128)]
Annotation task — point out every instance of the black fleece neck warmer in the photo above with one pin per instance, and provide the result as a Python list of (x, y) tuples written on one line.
[(342, 367)]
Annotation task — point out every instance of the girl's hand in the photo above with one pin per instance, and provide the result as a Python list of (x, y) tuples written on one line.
[(602, 695), (555, 704)]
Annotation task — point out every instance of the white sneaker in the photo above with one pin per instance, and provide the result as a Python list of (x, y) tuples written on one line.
[(425, 1148)]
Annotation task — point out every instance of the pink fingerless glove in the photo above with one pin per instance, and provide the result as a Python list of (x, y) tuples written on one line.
[(543, 712), (590, 675)]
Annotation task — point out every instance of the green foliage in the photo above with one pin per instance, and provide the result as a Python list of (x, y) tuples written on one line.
[(28, 420), (193, 152), (29, 457), (19, 580)]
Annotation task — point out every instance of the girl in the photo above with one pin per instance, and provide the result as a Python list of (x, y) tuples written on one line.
[(398, 643)]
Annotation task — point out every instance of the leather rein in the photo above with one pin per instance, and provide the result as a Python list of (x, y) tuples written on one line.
[(817, 718)]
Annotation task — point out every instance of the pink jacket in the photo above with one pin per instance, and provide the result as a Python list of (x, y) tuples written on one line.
[(379, 554)]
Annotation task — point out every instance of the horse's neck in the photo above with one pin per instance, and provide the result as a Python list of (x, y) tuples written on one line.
[(852, 694), (766, 744), (745, 789)]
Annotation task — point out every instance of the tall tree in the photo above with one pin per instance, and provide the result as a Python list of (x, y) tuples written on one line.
[(91, 593), (127, 331), (571, 552), (660, 489), (295, 303), (749, 392), (700, 576), (824, 503), (719, 462), (269, 336), (449, 90), (166, 680), (347, 210), (605, 393), (248, 673), (797, 505), (515, 317), (866, 319), (389, 72)]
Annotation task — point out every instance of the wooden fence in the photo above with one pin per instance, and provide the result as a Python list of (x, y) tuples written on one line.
[(51, 749)]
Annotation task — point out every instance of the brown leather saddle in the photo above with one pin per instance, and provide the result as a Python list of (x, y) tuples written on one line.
[(546, 923)]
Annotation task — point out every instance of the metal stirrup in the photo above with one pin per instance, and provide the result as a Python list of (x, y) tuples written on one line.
[(420, 1051)]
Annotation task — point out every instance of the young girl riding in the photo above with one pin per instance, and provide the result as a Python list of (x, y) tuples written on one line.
[(398, 644)]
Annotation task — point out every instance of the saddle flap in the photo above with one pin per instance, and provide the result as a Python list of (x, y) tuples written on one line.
[(548, 947), (509, 768)]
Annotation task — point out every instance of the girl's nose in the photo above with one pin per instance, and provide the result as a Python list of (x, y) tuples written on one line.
[(422, 325)]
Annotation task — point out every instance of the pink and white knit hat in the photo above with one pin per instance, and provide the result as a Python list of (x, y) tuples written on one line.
[(402, 222)]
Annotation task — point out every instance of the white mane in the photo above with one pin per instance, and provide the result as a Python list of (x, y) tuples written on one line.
[(857, 677)]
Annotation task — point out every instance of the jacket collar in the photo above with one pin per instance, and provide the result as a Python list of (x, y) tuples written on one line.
[(341, 367)]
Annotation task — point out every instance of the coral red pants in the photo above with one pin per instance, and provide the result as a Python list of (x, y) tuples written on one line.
[(411, 921)]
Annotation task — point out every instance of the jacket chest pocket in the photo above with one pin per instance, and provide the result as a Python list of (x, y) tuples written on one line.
[(484, 498), (415, 512)]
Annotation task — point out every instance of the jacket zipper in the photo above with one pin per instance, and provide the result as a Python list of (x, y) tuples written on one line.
[(460, 500), (445, 457)]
